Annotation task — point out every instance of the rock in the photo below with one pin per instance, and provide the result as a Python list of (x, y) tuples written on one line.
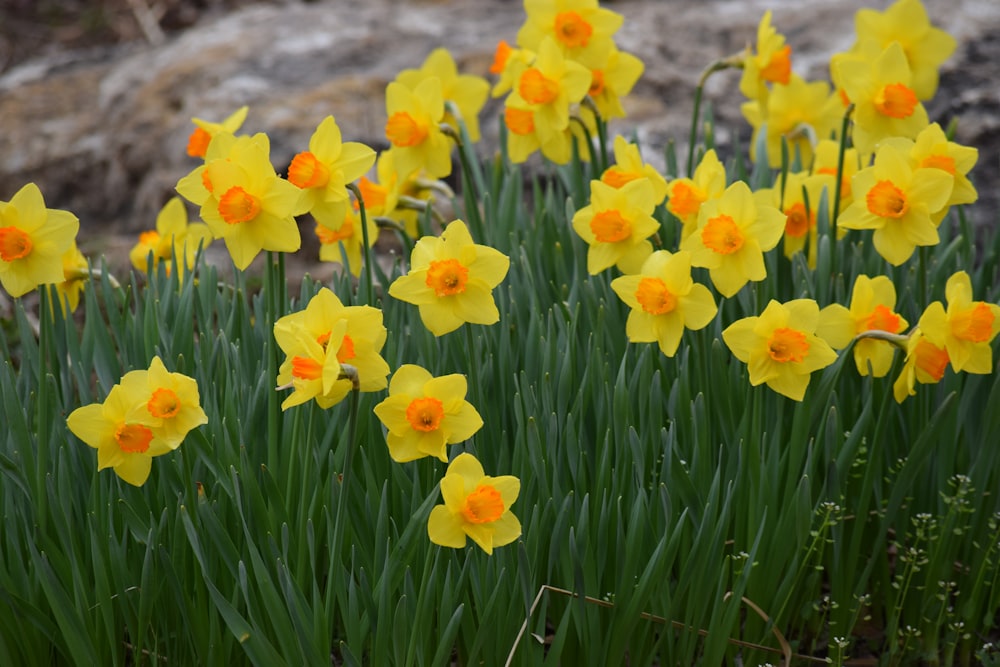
[(103, 131)]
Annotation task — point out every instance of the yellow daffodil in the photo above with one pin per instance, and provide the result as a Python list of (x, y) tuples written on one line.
[(320, 340), (800, 203), (617, 225), (825, 159), (547, 88), (474, 506), (664, 301), (733, 233), (780, 347), (771, 64), (467, 92), (925, 363), (897, 201), (171, 400), (612, 79), (76, 271), (580, 28), (414, 128), (424, 414), (173, 233), (243, 201), (508, 63), (451, 280), (873, 303), (966, 329), (686, 195), (629, 166), (345, 244), (202, 134), (798, 113), (33, 240), (121, 429), (323, 172), (885, 104), (383, 197), (906, 23)]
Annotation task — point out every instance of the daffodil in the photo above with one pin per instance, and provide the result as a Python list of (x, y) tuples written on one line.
[(629, 166), (414, 128), (467, 92), (906, 23), (664, 301), (825, 163), (242, 199), (799, 203), (925, 363), (873, 303), (547, 88), (771, 64), (345, 243), (475, 506), (323, 172), (204, 130), (617, 225), (966, 329), (508, 63), (885, 104), (76, 271), (173, 233), (121, 429), (799, 113), (383, 196), (734, 231), (686, 195), (171, 400), (780, 347), (451, 280), (611, 79), (424, 414), (320, 340), (33, 240), (580, 28), (897, 201)]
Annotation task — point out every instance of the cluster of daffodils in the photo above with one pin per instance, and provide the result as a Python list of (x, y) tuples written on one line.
[(565, 67), (149, 413)]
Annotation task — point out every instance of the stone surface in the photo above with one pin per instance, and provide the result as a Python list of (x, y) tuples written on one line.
[(103, 131)]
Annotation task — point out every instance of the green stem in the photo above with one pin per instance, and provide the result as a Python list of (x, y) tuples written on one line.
[(735, 61), (351, 373), (368, 297), (835, 195), (473, 365), (271, 285), (44, 417), (602, 135)]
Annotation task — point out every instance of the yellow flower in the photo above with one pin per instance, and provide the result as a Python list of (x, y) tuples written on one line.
[(733, 233), (897, 201), (345, 244), (825, 159), (523, 138), (508, 63), (780, 347), (465, 91), (475, 506), (382, 196), (800, 204), (617, 225), (171, 400), (204, 131), (33, 240), (579, 27), (611, 79), (173, 233), (243, 201), (925, 363), (423, 414), (873, 303), (76, 271), (771, 64), (122, 431), (414, 128), (323, 172), (629, 167), (686, 195), (906, 23), (885, 105), (451, 280), (323, 338), (664, 301), (547, 88), (966, 330), (798, 113)]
